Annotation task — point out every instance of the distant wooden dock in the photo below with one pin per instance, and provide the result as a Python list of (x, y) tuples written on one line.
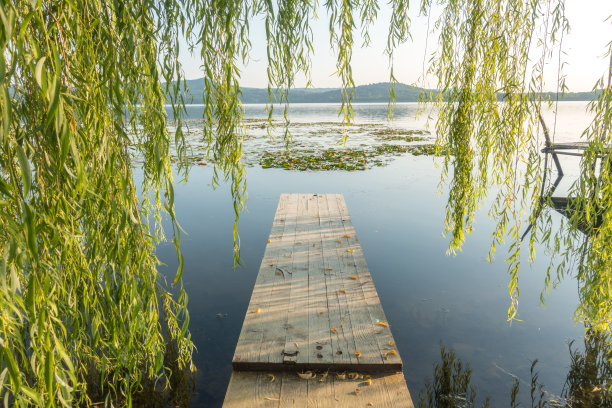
[(314, 308)]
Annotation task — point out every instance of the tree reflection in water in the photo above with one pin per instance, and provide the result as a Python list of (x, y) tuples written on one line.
[(588, 382)]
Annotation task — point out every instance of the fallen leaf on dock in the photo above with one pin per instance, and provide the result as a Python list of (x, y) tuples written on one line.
[(256, 310), (341, 290), (308, 375), (368, 381), (341, 376), (390, 352), (353, 277), (329, 269), (356, 391), (350, 250), (339, 241), (347, 236), (354, 376), (370, 404), (268, 240), (358, 354), (384, 324), (391, 342), (323, 377), (334, 330), (278, 272), (271, 377)]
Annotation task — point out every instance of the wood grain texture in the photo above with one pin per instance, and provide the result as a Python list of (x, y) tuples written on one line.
[(314, 305), (253, 389)]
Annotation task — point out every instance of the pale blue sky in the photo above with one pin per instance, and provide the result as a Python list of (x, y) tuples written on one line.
[(584, 46)]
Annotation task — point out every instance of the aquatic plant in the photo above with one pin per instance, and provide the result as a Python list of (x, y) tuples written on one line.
[(587, 383)]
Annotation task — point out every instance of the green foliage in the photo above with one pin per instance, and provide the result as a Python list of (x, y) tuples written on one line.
[(592, 213), (451, 385), (82, 301), (588, 381), (484, 50)]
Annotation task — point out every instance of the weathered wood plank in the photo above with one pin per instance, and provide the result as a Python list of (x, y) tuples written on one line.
[(249, 343), (380, 328), (319, 344), (251, 389), (318, 307), (296, 330), (342, 344), (275, 315), (365, 330)]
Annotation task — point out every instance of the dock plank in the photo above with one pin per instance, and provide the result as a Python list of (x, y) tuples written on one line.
[(249, 343), (252, 389), (380, 325), (318, 307)]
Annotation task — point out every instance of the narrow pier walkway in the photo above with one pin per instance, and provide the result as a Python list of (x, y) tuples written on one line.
[(315, 311)]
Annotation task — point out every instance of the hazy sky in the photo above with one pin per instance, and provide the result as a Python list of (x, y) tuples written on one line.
[(584, 49)]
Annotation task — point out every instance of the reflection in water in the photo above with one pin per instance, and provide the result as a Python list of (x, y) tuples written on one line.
[(177, 392), (588, 383), (451, 385)]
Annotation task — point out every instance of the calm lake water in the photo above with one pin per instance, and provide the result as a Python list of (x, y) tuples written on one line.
[(428, 297)]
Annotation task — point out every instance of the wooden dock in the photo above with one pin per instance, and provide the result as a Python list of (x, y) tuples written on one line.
[(315, 310)]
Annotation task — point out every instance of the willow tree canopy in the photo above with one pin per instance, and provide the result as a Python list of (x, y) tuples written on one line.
[(83, 84)]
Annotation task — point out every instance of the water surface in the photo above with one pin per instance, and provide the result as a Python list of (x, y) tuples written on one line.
[(428, 297)]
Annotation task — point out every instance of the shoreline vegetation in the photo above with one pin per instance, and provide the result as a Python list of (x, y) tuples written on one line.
[(372, 93)]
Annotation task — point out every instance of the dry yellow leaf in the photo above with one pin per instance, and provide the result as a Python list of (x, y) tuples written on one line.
[(334, 330), (347, 236), (350, 250), (353, 277), (268, 240), (256, 310), (390, 352), (339, 241), (328, 269), (341, 290), (368, 381), (391, 342), (358, 354), (308, 375), (384, 324)]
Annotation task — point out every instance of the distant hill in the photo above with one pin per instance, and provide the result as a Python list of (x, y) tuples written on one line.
[(364, 93)]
